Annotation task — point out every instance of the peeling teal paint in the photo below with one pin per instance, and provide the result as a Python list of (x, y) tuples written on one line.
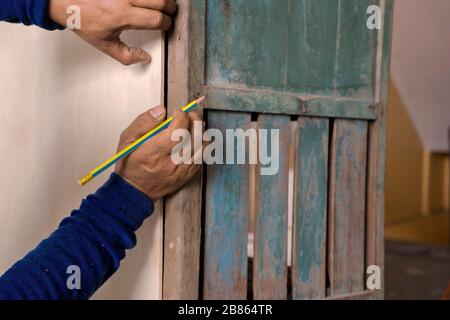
[(271, 211), (312, 58), (311, 212), (302, 46), (349, 153), (226, 211)]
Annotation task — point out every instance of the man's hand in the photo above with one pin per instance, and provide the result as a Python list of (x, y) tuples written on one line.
[(150, 168), (102, 22)]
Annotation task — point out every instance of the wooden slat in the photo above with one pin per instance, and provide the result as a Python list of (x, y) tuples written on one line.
[(271, 210), (182, 218), (377, 149), (310, 209), (226, 219), (279, 102), (347, 192)]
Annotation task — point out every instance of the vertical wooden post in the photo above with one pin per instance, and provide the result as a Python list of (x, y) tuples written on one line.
[(376, 165), (182, 225)]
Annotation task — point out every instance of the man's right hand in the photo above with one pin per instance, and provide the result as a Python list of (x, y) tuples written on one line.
[(150, 168), (102, 22)]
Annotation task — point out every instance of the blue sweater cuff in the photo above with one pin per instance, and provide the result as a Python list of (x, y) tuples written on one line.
[(28, 12), (129, 200)]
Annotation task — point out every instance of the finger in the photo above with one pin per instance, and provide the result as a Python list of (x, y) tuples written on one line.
[(164, 139), (145, 19), (144, 123), (121, 52), (167, 6), (194, 116)]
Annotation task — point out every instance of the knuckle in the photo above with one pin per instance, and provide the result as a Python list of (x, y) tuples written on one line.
[(162, 3), (174, 180), (171, 6), (124, 135), (141, 119), (121, 17), (142, 158), (157, 19), (180, 115), (124, 55), (126, 60), (116, 18)]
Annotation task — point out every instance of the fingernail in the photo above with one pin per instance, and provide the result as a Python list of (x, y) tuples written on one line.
[(146, 58), (157, 112)]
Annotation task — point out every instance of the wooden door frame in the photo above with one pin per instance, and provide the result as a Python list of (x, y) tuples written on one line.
[(183, 210)]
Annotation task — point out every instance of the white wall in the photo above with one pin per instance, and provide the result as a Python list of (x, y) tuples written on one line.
[(421, 67), (62, 108)]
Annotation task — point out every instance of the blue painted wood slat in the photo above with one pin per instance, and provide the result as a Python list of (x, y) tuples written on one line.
[(271, 215), (310, 209), (317, 47), (226, 219)]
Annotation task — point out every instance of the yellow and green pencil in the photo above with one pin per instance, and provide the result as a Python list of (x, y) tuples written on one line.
[(132, 147)]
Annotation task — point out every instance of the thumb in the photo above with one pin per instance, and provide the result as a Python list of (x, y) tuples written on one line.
[(119, 51), (144, 123)]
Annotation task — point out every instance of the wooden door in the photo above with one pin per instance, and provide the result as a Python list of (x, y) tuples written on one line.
[(311, 62)]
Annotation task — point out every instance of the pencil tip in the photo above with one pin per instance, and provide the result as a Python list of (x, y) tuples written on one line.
[(201, 99)]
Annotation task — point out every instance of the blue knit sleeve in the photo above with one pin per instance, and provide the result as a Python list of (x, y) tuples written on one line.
[(28, 12), (90, 243)]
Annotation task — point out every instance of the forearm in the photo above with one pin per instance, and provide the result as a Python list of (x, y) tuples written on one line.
[(28, 12), (94, 238)]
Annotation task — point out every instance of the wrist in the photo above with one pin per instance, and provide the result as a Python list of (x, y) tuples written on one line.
[(130, 179), (124, 197)]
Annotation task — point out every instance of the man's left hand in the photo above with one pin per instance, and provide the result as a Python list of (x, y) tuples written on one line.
[(102, 22)]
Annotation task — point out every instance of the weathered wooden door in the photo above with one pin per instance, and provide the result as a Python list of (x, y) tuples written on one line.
[(314, 62)]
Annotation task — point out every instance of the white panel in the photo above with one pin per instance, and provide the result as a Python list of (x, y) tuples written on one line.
[(421, 67), (63, 105)]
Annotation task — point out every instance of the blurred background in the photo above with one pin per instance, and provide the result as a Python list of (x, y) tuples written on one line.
[(418, 166)]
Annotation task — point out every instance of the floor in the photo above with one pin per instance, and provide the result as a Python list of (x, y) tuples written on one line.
[(432, 229), (416, 271)]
